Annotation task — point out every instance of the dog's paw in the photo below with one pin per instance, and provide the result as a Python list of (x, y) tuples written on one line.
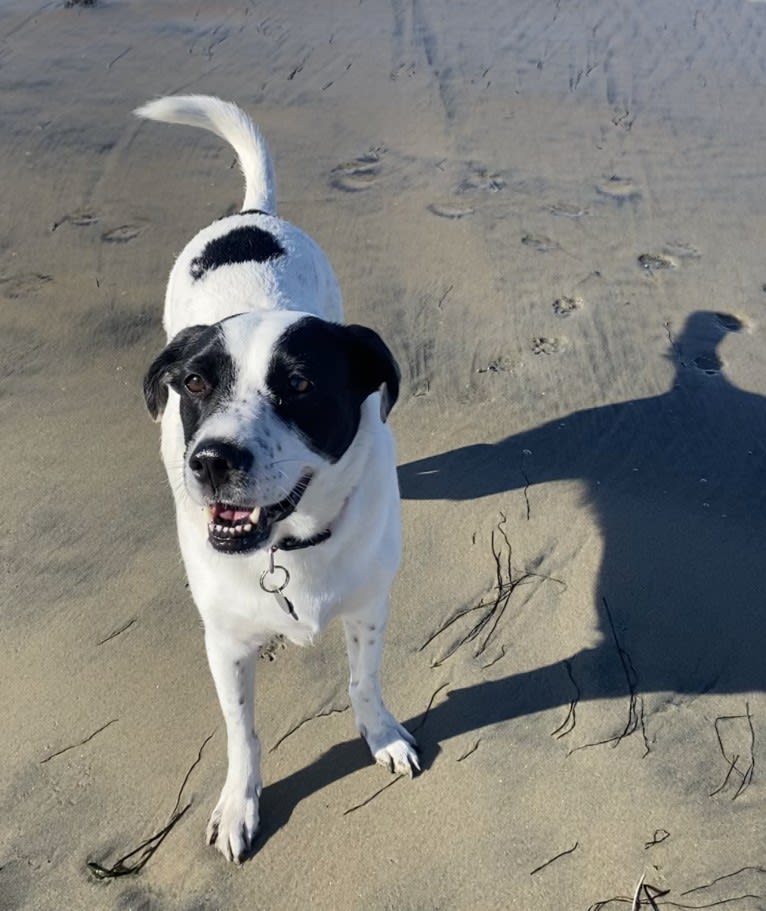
[(234, 823), (395, 748)]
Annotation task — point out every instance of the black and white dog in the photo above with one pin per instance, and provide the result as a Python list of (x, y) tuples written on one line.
[(282, 465)]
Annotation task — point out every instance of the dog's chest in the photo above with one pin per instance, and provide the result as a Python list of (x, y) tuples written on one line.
[(254, 605)]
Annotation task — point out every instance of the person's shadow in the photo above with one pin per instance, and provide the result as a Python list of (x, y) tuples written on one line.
[(678, 485)]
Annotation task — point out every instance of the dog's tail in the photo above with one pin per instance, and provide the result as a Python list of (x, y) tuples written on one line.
[(231, 124)]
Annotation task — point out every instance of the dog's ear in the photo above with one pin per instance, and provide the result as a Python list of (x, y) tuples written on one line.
[(373, 366), (160, 372)]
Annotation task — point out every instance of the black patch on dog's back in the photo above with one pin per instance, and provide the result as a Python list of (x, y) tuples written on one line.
[(240, 245), (344, 365)]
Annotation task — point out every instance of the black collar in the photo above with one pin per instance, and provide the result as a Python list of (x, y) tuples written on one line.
[(290, 543)]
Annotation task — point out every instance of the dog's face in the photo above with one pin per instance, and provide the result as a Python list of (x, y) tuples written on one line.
[(267, 401)]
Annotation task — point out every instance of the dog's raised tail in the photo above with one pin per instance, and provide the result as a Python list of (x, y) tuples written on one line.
[(231, 124)]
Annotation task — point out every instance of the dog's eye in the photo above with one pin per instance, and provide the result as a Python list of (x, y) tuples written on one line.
[(195, 385), (300, 384)]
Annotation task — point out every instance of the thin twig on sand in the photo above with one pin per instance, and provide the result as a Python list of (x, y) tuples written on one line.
[(146, 849), (492, 609)]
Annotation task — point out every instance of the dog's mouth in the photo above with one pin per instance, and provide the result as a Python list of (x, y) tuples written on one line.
[(238, 528)]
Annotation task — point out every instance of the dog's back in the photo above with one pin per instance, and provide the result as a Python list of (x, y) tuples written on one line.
[(250, 260)]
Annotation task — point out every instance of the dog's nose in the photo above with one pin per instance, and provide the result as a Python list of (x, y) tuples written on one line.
[(213, 462)]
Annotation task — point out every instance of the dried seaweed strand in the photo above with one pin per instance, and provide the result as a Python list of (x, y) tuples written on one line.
[(503, 599), (469, 751), (659, 836), (554, 858), (493, 608), (620, 899), (422, 721), (630, 676), (674, 344), (747, 775), (117, 632), (723, 901), (651, 893), (330, 711), (373, 796), (644, 735), (732, 767), (750, 771), (495, 659), (80, 743), (635, 703), (461, 612), (636, 903), (147, 848), (719, 879), (568, 724), (526, 485)]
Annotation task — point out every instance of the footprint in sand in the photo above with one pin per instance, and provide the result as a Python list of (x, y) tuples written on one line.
[(496, 365), (545, 345), (451, 209), (678, 250), (620, 189), (121, 235), (360, 174), (564, 210), (656, 262), (540, 242), (79, 219), (566, 306), (29, 283), (479, 179)]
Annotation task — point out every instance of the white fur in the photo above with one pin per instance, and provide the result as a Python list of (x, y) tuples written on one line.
[(350, 574), (232, 124)]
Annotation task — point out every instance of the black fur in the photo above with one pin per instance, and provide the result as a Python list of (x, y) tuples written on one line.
[(197, 350), (344, 365), (240, 245)]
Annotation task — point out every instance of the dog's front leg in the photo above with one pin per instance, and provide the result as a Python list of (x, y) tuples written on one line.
[(391, 744), (234, 822)]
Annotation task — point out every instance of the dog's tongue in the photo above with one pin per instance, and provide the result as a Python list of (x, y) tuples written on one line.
[(228, 513)]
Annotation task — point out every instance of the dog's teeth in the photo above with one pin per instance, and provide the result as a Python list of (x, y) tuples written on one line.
[(247, 527), (255, 515), (219, 528)]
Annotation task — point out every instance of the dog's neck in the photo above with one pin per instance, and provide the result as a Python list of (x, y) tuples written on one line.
[(289, 542)]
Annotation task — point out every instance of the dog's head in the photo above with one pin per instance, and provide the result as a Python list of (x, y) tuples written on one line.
[(267, 401)]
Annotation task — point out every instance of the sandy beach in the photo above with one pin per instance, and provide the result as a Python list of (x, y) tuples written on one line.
[(554, 213)]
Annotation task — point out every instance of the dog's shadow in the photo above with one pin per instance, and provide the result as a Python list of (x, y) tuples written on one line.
[(678, 485)]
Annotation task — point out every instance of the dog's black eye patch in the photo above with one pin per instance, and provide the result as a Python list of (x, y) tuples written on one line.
[(199, 352), (241, 245), (319, 375)]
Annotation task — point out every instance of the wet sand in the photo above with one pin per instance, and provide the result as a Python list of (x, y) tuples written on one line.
[(554, 214)]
